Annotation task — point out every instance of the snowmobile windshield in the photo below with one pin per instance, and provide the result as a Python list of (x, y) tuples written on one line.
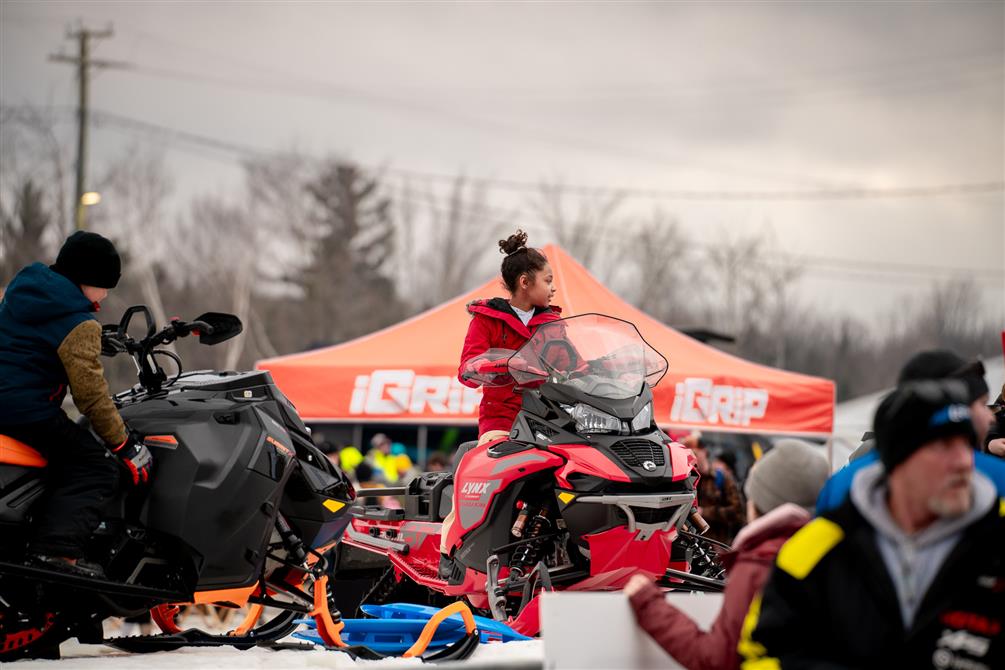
[(596, 354)]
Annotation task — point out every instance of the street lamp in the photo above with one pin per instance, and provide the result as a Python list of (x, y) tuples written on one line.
[(90, 198)]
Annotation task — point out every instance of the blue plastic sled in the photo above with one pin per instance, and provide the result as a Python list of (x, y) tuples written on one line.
[(399, 625)]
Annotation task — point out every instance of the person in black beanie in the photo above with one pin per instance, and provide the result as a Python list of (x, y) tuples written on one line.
[(943, 364), (909, 571), (50, 341)]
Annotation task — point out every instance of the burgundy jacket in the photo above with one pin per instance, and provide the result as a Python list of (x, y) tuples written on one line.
[(748, 566), (494, 325)]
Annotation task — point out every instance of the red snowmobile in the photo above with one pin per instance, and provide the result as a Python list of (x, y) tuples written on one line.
[(584, 492)]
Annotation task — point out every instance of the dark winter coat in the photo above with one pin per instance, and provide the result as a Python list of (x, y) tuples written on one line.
[(721, 505), (748, 565), (830, 602), (49, 340), (494, 325)]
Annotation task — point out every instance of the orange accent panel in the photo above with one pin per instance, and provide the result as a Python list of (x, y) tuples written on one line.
[(254, 613), (163, 439), (13, 452), (236, 596)]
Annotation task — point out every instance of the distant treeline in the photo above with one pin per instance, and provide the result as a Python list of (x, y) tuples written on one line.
[(315, 252)]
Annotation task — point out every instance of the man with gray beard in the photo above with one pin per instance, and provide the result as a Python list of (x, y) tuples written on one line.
[(910, 571)]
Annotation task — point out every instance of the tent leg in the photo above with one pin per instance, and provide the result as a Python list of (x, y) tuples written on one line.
[(421, 439), (357, 437)]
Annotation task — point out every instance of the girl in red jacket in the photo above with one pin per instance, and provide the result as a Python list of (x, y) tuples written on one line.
[(504, 324), (508, 324)]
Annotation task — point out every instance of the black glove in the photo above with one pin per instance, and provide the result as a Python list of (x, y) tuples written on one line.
[(136, 458)]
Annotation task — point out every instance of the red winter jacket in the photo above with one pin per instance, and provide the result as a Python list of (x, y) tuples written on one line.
[(748, 565), (494, 325)]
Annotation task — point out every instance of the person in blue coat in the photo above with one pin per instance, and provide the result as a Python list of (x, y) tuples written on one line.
[(926, 365), (50, 342)]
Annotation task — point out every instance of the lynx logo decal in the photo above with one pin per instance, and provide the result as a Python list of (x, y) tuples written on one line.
[(474, 488), (404, 392), (698, 400), (473, 500)]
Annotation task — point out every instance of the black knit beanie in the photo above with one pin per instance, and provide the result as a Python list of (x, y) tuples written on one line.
[(944, 364), (917, 413), (89, 259)]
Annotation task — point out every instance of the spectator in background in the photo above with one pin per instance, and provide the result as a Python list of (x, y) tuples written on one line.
[(994, 443), (438, 462), (381, 459), (349, 458), (407, 471), (781, 490), (726, 460), (719, 501), (934, 364), (908, 573)]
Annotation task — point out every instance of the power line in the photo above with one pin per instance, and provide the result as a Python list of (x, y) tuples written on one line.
[(973, 188), (848, 268)]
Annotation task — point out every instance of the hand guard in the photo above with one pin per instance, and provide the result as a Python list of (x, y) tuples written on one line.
[(136, 458)]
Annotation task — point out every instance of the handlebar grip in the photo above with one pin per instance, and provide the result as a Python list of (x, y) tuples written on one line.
[(201, 326)]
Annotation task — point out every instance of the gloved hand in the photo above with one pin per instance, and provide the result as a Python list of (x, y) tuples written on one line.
[(136, 458)]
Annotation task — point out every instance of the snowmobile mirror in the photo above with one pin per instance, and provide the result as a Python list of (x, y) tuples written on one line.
[(225, 326), (127, 317)]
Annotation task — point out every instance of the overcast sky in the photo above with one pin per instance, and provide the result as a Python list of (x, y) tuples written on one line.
[(710, 97)]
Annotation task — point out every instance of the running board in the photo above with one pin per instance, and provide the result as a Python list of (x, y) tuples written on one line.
[(81, 583)]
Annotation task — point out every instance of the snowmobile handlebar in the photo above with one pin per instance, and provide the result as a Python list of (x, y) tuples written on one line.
[(211, 328)]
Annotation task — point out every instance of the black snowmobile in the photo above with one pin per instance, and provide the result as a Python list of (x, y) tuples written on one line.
[(241, 510)]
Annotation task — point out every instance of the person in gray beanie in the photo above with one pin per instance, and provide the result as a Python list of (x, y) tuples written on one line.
[(792, 472), (781, 488)]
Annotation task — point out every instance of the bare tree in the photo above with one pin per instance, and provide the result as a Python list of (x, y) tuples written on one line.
[(654, 265), (582, 233), (440, 254), (31, 151), (22, 230), (224, 249), (133, 213)]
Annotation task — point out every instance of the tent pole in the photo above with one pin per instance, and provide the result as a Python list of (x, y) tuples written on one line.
[(421, 438), (357, 437)]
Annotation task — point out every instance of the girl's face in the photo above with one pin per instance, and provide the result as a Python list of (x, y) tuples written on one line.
[(539, 288)]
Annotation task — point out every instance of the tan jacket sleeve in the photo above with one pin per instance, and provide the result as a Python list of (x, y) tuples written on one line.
[(80, 352)]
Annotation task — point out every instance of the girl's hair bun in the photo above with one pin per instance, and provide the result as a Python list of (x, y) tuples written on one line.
[(513, 243)]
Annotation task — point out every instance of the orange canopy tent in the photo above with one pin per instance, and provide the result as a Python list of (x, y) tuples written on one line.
[(407, 373)]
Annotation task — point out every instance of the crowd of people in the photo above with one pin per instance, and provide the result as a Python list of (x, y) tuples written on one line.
[(904, 562)]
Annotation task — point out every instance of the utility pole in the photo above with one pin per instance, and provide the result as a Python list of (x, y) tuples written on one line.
[(84, 63)]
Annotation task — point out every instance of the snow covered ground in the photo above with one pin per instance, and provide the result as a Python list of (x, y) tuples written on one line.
[(98, 657), (78, 656)]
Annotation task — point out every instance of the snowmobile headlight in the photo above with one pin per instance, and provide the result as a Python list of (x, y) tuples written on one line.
[(592, 420), (643, 419)]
